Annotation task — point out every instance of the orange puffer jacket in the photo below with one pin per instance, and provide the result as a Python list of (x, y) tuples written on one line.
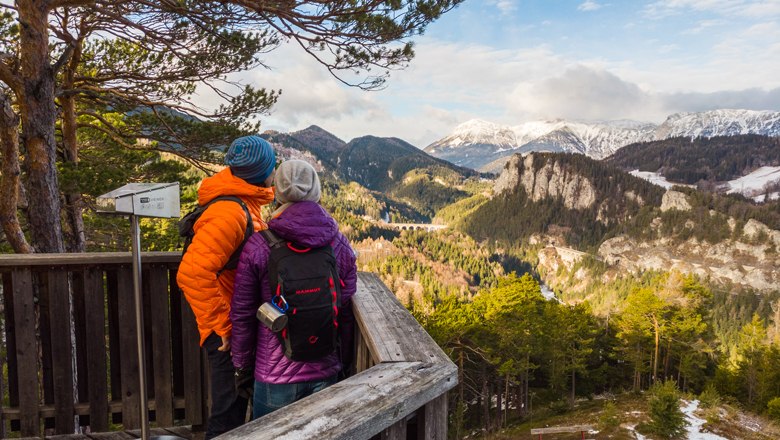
[(218, 232)]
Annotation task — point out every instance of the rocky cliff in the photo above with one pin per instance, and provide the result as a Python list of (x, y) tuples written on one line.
[(546, 179)]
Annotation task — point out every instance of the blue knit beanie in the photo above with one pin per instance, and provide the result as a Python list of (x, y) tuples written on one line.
[(251, 158)]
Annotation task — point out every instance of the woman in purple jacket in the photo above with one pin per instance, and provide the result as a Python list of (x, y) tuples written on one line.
[(279, 381)]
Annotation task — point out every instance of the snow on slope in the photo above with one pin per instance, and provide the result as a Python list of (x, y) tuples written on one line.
[(595, 139), (724, 122), (753, 184), (655, 178)]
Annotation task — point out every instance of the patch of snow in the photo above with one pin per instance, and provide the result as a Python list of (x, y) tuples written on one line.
[(695, 423), (754, 182), (547, 293), (637, 435), (656, 179)]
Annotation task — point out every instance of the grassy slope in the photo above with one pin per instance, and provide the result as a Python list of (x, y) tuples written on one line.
[(632, 410)]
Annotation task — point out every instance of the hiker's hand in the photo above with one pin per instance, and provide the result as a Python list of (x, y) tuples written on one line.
[(245, 382), (225, 344)]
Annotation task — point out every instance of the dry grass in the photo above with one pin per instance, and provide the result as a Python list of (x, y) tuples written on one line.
[(724, 420)]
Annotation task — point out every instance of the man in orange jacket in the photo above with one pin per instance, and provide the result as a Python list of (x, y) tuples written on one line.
[(208, 288)]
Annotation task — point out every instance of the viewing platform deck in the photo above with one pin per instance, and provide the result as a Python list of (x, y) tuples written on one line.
[(69, 346)]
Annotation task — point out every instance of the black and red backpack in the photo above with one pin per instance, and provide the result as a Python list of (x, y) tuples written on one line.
[(305, 285)]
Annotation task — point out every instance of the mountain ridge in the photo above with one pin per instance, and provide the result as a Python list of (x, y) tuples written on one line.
[(480, 144)]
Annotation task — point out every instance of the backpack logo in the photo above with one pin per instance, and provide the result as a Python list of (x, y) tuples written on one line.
[(306, 279)]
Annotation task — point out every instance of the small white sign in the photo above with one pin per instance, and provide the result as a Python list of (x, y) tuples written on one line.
[(143, 199)]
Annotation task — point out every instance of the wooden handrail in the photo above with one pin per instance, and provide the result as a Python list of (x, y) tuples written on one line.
[(402, 375), (410, 372)]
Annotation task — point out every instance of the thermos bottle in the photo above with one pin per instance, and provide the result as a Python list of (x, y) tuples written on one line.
[(272, 317)]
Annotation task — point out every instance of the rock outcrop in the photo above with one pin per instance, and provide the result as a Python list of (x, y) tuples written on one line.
[(751, 262), (551, 180), (675, 200)]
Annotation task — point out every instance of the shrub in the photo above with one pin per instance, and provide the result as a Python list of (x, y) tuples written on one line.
[(610, 417), (773, 408), (666, 418), (709, 397)]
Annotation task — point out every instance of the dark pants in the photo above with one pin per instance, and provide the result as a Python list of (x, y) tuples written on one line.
[(228, 410), (269, 397)]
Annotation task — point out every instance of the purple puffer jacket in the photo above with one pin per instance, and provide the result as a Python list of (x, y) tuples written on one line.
[(309, 225)]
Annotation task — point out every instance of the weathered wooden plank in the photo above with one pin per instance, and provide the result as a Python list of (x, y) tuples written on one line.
[(561, 429), (61, 351), (115, 354), (358, 407), (432, 419), (161, 343), (394, 336), (80, 332), (67, 437), (176, 336), (361, 352), (193, 392), (10, 346), (152, 432), (117, 435), (395, 432), (26, 351), (80, 409), (87, 259), (6, 292), (131, 410), (41, 286), (96, 361), (181, 431)]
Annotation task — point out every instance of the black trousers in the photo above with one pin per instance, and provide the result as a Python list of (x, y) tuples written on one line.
[(228, 410)]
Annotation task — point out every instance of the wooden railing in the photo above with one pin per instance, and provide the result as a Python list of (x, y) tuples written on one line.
[(66, 313)]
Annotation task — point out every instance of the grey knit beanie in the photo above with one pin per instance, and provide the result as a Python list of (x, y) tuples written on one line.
[(297, 181)]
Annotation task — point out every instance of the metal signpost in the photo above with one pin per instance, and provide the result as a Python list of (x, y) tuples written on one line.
[(141, 200)]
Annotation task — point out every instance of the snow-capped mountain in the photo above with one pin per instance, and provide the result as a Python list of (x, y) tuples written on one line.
[(724, 122), (484, 145)]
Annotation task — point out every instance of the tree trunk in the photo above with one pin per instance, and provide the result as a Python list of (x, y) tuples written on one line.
[(506, 399), (655, 357), (485, 403), (667, 357), (39, 115), (573, 387), (9, 185), (73, 199), (499, 406)]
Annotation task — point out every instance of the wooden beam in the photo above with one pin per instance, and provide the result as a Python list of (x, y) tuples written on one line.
[(357, 408), (61, 351), (561, 429), (85, 259), (390, 331), (26, 351)]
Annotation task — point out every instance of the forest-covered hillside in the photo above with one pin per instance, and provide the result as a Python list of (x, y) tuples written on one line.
[(693, 161)]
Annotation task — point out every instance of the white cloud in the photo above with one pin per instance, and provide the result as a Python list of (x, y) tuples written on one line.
[(506, 7), (727, 8), (450, 82), (589, 5), (704, 25)]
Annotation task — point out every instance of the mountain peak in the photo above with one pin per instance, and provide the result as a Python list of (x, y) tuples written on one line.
[(484, 145)]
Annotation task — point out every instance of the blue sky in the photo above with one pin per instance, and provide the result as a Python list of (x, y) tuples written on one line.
[(512, 61)]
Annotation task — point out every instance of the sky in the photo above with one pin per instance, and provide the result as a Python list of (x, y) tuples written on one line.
[(513, 61)]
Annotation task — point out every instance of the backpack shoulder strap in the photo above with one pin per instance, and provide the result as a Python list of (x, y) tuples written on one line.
[(273, 240), (250, 226), (232, 262)]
